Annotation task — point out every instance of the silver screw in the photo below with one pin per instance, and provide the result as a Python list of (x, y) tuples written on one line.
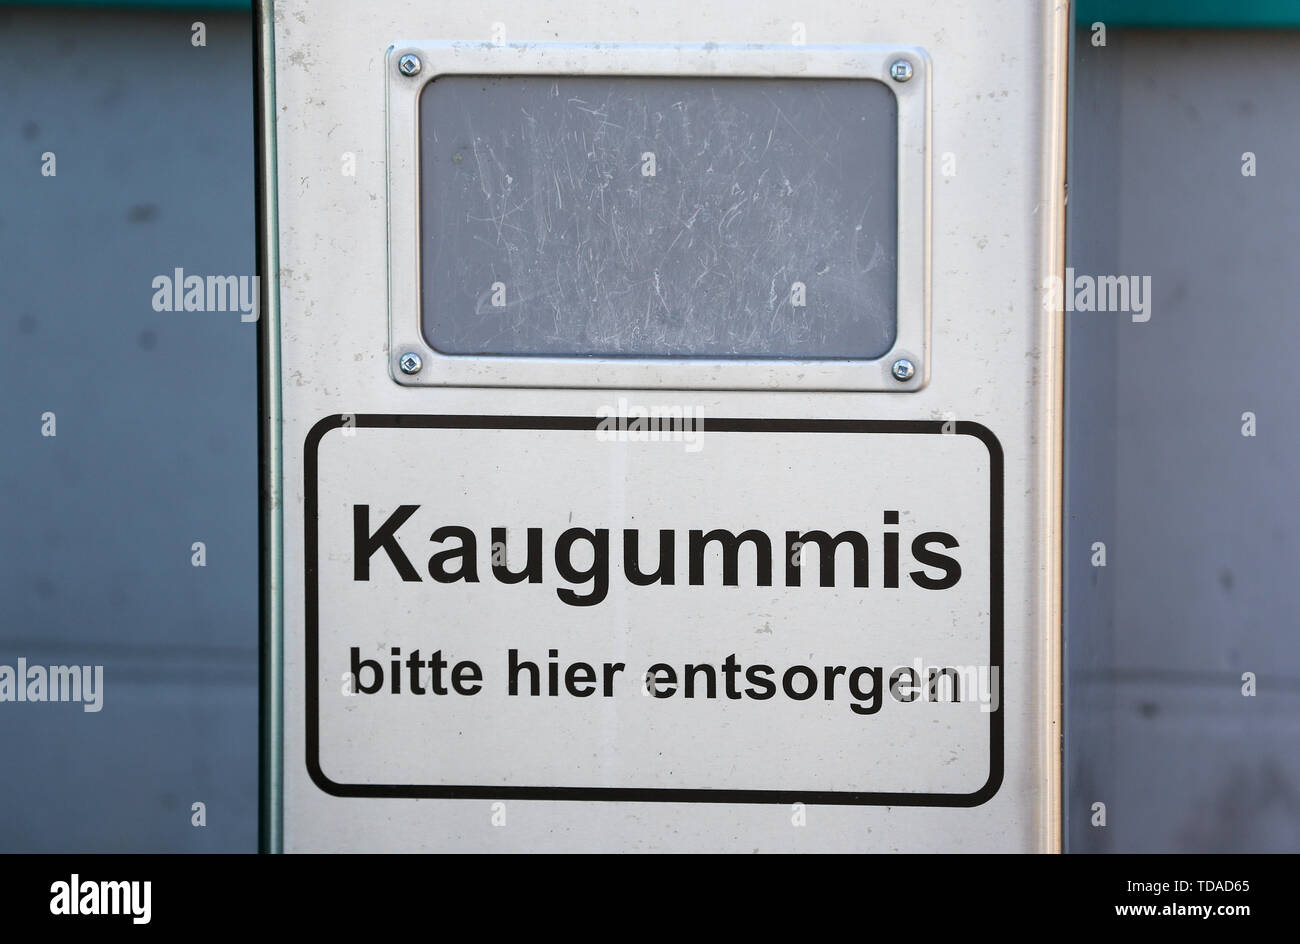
[(900, 70), (409, 64), (903, 369), (410, 363)]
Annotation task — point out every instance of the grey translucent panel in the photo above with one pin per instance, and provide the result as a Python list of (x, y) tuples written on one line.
[(658, 217)]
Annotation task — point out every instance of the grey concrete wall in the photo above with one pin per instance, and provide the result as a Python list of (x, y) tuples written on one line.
[(1200, 522), (155, 444)]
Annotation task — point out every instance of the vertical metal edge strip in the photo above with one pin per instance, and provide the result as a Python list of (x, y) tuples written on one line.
[(1051, 392), (270, 458)]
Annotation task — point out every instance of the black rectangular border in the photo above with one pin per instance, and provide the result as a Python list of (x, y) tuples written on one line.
[(650, 794)]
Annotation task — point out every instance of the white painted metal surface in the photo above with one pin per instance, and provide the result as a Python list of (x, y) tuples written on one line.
[(352, 436)]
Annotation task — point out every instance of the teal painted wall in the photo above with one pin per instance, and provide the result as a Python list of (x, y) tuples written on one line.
[(1215, 14)]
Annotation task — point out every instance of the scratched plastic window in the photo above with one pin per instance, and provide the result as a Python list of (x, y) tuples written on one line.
[(658, 217)]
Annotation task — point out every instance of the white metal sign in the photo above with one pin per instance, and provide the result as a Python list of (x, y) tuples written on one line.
[(662, 425), (545, 615)]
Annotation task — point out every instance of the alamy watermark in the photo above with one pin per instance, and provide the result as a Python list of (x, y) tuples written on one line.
[(40, 683), (1127, 293), (181, 292), (632, 423), (79, 897)]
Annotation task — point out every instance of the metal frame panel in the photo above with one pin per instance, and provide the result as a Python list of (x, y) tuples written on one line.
[(402, 95)]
